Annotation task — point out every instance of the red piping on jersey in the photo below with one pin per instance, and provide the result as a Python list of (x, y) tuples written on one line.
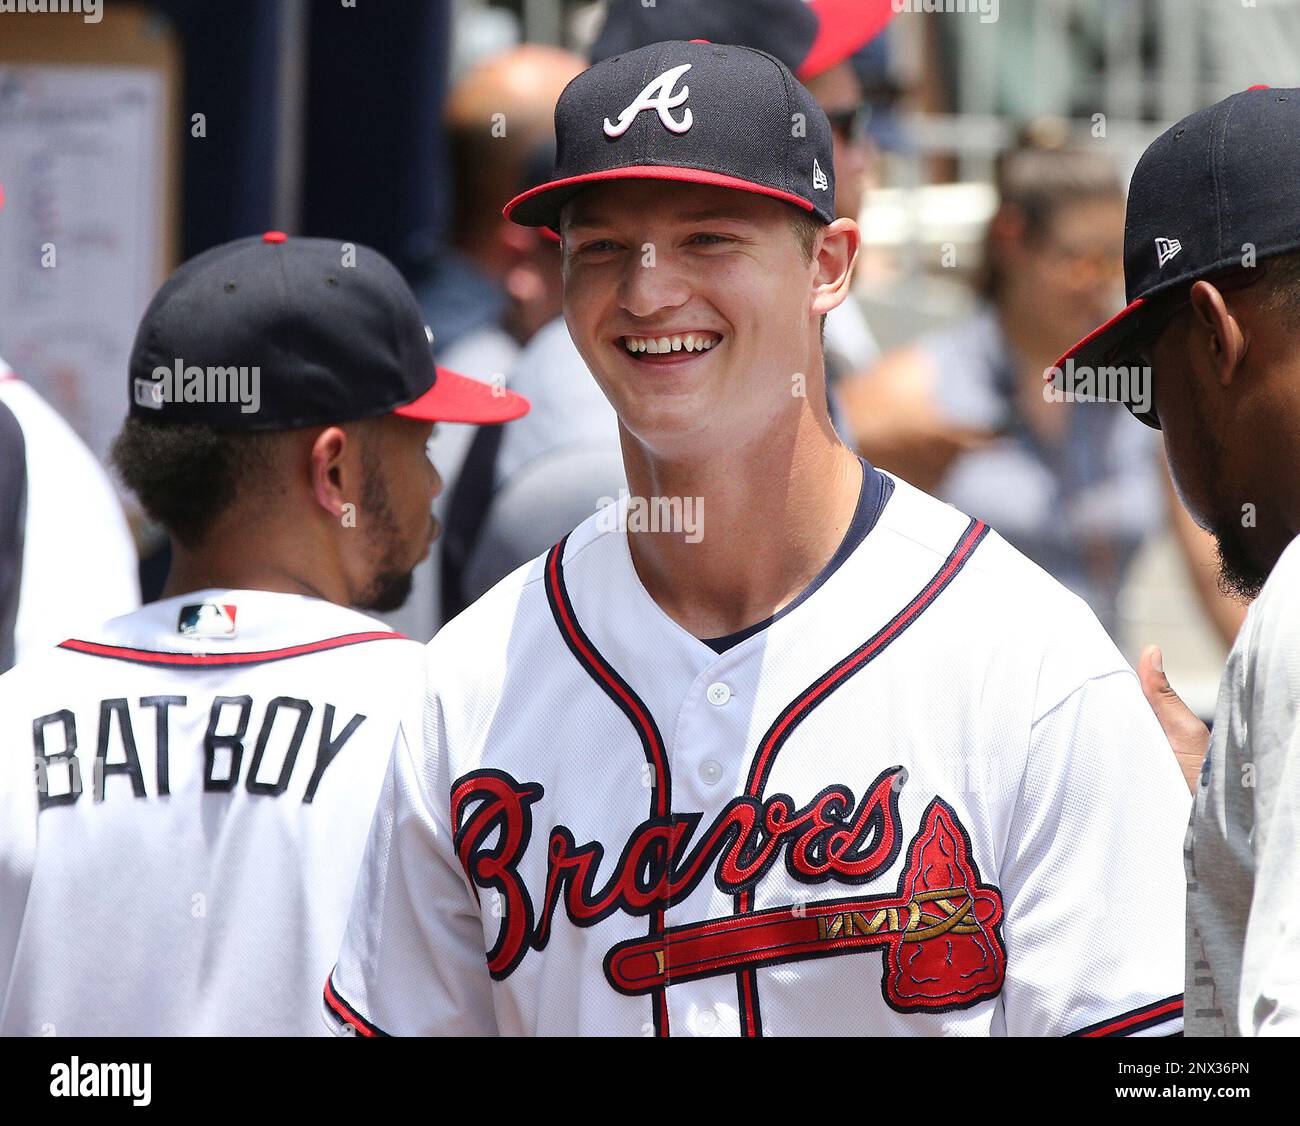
[(209, 660), (795, 712), (632, 707), (346, 1014), (598, 665), (1135, 1020), (785, 724)]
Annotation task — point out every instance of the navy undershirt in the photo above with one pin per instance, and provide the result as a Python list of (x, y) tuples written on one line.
[(876, 491)]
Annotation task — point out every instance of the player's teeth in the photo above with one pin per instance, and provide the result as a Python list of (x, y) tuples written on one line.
[(677, 343), (664, 345), (688, 342)]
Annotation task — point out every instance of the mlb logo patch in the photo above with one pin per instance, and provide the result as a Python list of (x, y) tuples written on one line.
[(207, 619)]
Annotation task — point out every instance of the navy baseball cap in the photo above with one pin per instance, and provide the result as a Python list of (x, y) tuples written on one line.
[(1221, 185), (809, 37), (331, 329), (691, 112)]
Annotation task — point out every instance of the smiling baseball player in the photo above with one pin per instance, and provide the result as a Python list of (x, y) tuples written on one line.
[(206, 767), (848, 764)]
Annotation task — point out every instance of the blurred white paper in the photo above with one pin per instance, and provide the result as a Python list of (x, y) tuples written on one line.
[(82, 171)]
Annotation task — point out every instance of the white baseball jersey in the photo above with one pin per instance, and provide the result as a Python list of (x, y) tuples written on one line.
[(927, 798), (72, 552), (206, 770)]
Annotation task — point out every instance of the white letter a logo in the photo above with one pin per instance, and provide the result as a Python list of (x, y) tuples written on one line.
[(657, 96)]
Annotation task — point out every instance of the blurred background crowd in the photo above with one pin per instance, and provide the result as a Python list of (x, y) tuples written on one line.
[(984, 147)]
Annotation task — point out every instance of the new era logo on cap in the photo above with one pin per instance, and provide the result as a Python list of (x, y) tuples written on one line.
[(1166, 248), (820, 183)]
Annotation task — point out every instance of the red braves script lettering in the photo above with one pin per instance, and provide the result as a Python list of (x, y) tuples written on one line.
[(940, 933)]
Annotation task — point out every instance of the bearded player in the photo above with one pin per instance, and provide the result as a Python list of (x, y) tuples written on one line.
[(185, 791), (836, 760)]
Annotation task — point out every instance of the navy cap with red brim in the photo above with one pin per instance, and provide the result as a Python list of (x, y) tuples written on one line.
[(692, 112), (1114, 343), (541, 206), (278, 333), (457, 398), (1212, 196), (844, 28), (809, 36)]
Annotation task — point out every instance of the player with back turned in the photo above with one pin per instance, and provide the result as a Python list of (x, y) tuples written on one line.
[(181, 859), (1212, 270), (845, 763)]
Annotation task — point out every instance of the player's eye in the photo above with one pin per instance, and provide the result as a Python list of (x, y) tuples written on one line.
[(705, 238), (598, 246)]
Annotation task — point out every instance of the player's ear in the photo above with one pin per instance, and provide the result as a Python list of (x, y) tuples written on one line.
[(335, 468), (837, 254), (1222, 336)]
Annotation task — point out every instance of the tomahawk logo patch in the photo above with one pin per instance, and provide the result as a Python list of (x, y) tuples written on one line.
[(939, 931), (657, 96), (207, 619)]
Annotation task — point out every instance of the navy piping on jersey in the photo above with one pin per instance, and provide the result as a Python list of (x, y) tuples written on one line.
[(760, 767), (622, 694), (634, 708), (13, 522), (875, 494)]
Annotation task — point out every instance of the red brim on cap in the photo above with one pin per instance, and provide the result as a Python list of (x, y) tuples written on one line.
[(1111, 343), (541, 206), (845, 27), (457, 398)]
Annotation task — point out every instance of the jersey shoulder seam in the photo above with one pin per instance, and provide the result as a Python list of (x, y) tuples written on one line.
[(1118, 670)]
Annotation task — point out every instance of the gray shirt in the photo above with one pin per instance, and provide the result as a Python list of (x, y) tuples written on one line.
[(1242, 853)]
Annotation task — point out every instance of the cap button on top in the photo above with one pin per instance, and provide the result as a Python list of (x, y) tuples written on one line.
[(275, 236)]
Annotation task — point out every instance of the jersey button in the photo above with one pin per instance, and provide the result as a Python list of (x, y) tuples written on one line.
[(711, 771), (718, 694), (704, 1023)]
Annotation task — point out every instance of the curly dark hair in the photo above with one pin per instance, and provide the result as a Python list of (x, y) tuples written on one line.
[(186, 474)]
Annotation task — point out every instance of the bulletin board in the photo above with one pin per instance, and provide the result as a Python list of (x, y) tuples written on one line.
[(89, 169)]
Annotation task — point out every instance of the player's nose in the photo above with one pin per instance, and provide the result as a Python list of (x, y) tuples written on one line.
[(651, 283)]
